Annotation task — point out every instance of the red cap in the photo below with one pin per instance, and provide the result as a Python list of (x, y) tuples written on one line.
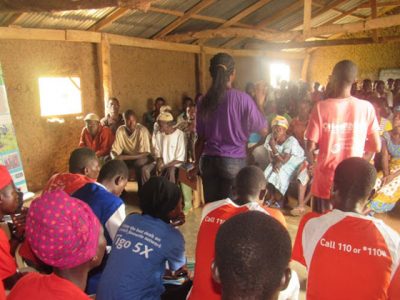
[(5, 177)]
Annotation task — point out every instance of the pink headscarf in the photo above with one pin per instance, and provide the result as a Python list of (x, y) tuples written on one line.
[(62, 231)]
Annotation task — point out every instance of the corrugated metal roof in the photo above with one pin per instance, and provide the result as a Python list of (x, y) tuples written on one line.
[(267, 11), (147, 24), (175, 5), (195, 25), (76, 19), (226, 9), (140, 24)]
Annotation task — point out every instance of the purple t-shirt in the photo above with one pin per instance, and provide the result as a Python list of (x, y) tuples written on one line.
[(227, 129)]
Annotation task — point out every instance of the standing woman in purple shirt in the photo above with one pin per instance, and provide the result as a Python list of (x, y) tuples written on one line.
[(225, 118)]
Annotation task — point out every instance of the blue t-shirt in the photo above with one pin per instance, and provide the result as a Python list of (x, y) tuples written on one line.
[(136, 265), (104, 204)]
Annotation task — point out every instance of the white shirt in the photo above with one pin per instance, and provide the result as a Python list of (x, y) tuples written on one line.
[(170, 147)]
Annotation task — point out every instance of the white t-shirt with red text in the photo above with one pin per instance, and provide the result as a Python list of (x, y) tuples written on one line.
[(340, 127), (348, 256)]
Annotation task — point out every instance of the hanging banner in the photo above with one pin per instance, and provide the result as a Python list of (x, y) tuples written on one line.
[(9, 152)]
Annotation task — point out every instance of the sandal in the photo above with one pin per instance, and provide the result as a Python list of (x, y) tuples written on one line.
[(297, 211)]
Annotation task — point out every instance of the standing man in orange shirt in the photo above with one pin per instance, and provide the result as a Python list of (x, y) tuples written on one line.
[(341, 127), (96, 137)]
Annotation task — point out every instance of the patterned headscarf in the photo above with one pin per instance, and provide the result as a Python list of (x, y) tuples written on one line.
[(62, 231), (280, 121)]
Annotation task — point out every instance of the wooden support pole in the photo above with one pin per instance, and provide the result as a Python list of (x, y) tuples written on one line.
[(307, 17), (202, 71), (304, 68), (104, 58), (373, 16)]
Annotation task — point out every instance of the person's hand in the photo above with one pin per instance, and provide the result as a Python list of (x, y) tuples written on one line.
[(387, 179), (310, 170), (276, 166), (192, 174), (178, 221), (159, 167), (19, 221), (272, 142)]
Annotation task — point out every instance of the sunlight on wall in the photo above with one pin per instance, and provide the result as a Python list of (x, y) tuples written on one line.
[(278, 72)]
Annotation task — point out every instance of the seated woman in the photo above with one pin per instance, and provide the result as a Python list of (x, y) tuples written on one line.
[(387, 185), (144, 243), (285, 155), (65, 234)]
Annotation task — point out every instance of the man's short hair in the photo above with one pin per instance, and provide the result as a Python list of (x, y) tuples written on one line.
[(252, 252), (128, 113), (354, 180), (112, 169), (345, 72), (250, 181), (79, 159)]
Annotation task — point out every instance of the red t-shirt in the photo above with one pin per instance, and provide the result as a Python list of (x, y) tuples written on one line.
[(101, 143), (340, 127), (8, 267), (35, 286), (349, 256), (2, 291), (214, 214)]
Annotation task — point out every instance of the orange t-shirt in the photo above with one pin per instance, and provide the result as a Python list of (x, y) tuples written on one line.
[(35, 286), (349, 256), (340, 127), (214, 214), (8, 267)]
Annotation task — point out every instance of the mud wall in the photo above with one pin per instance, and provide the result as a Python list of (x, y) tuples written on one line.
[(141, 75), (369, 58), (45, 146)]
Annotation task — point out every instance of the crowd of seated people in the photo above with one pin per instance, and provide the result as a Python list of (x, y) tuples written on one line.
[(77, 235)]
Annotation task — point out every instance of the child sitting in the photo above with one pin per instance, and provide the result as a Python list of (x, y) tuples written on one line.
[(103, 199), (143, 245), (250, 185), (252, 254), (65, 234), (349, 255)]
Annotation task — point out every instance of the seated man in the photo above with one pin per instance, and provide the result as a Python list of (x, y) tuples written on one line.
[(250, 186), (96, 137), (169, 150), (83, 168), (349, 255), (103, 198), (113, 119), (132, 144), (9, 204), (150, 117), (252, 255)]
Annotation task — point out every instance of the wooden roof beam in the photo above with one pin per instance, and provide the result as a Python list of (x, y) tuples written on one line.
[(382, 4), (57, 5), (196, 16), (382, 22), (242, 14), (307, 16), (109, 19), (187, 15), (283, 13)]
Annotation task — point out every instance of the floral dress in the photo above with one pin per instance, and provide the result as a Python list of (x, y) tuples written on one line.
[(386, 196), (281, 179)]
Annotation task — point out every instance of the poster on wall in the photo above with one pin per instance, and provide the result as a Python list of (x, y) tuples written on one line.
[(9, 152)]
